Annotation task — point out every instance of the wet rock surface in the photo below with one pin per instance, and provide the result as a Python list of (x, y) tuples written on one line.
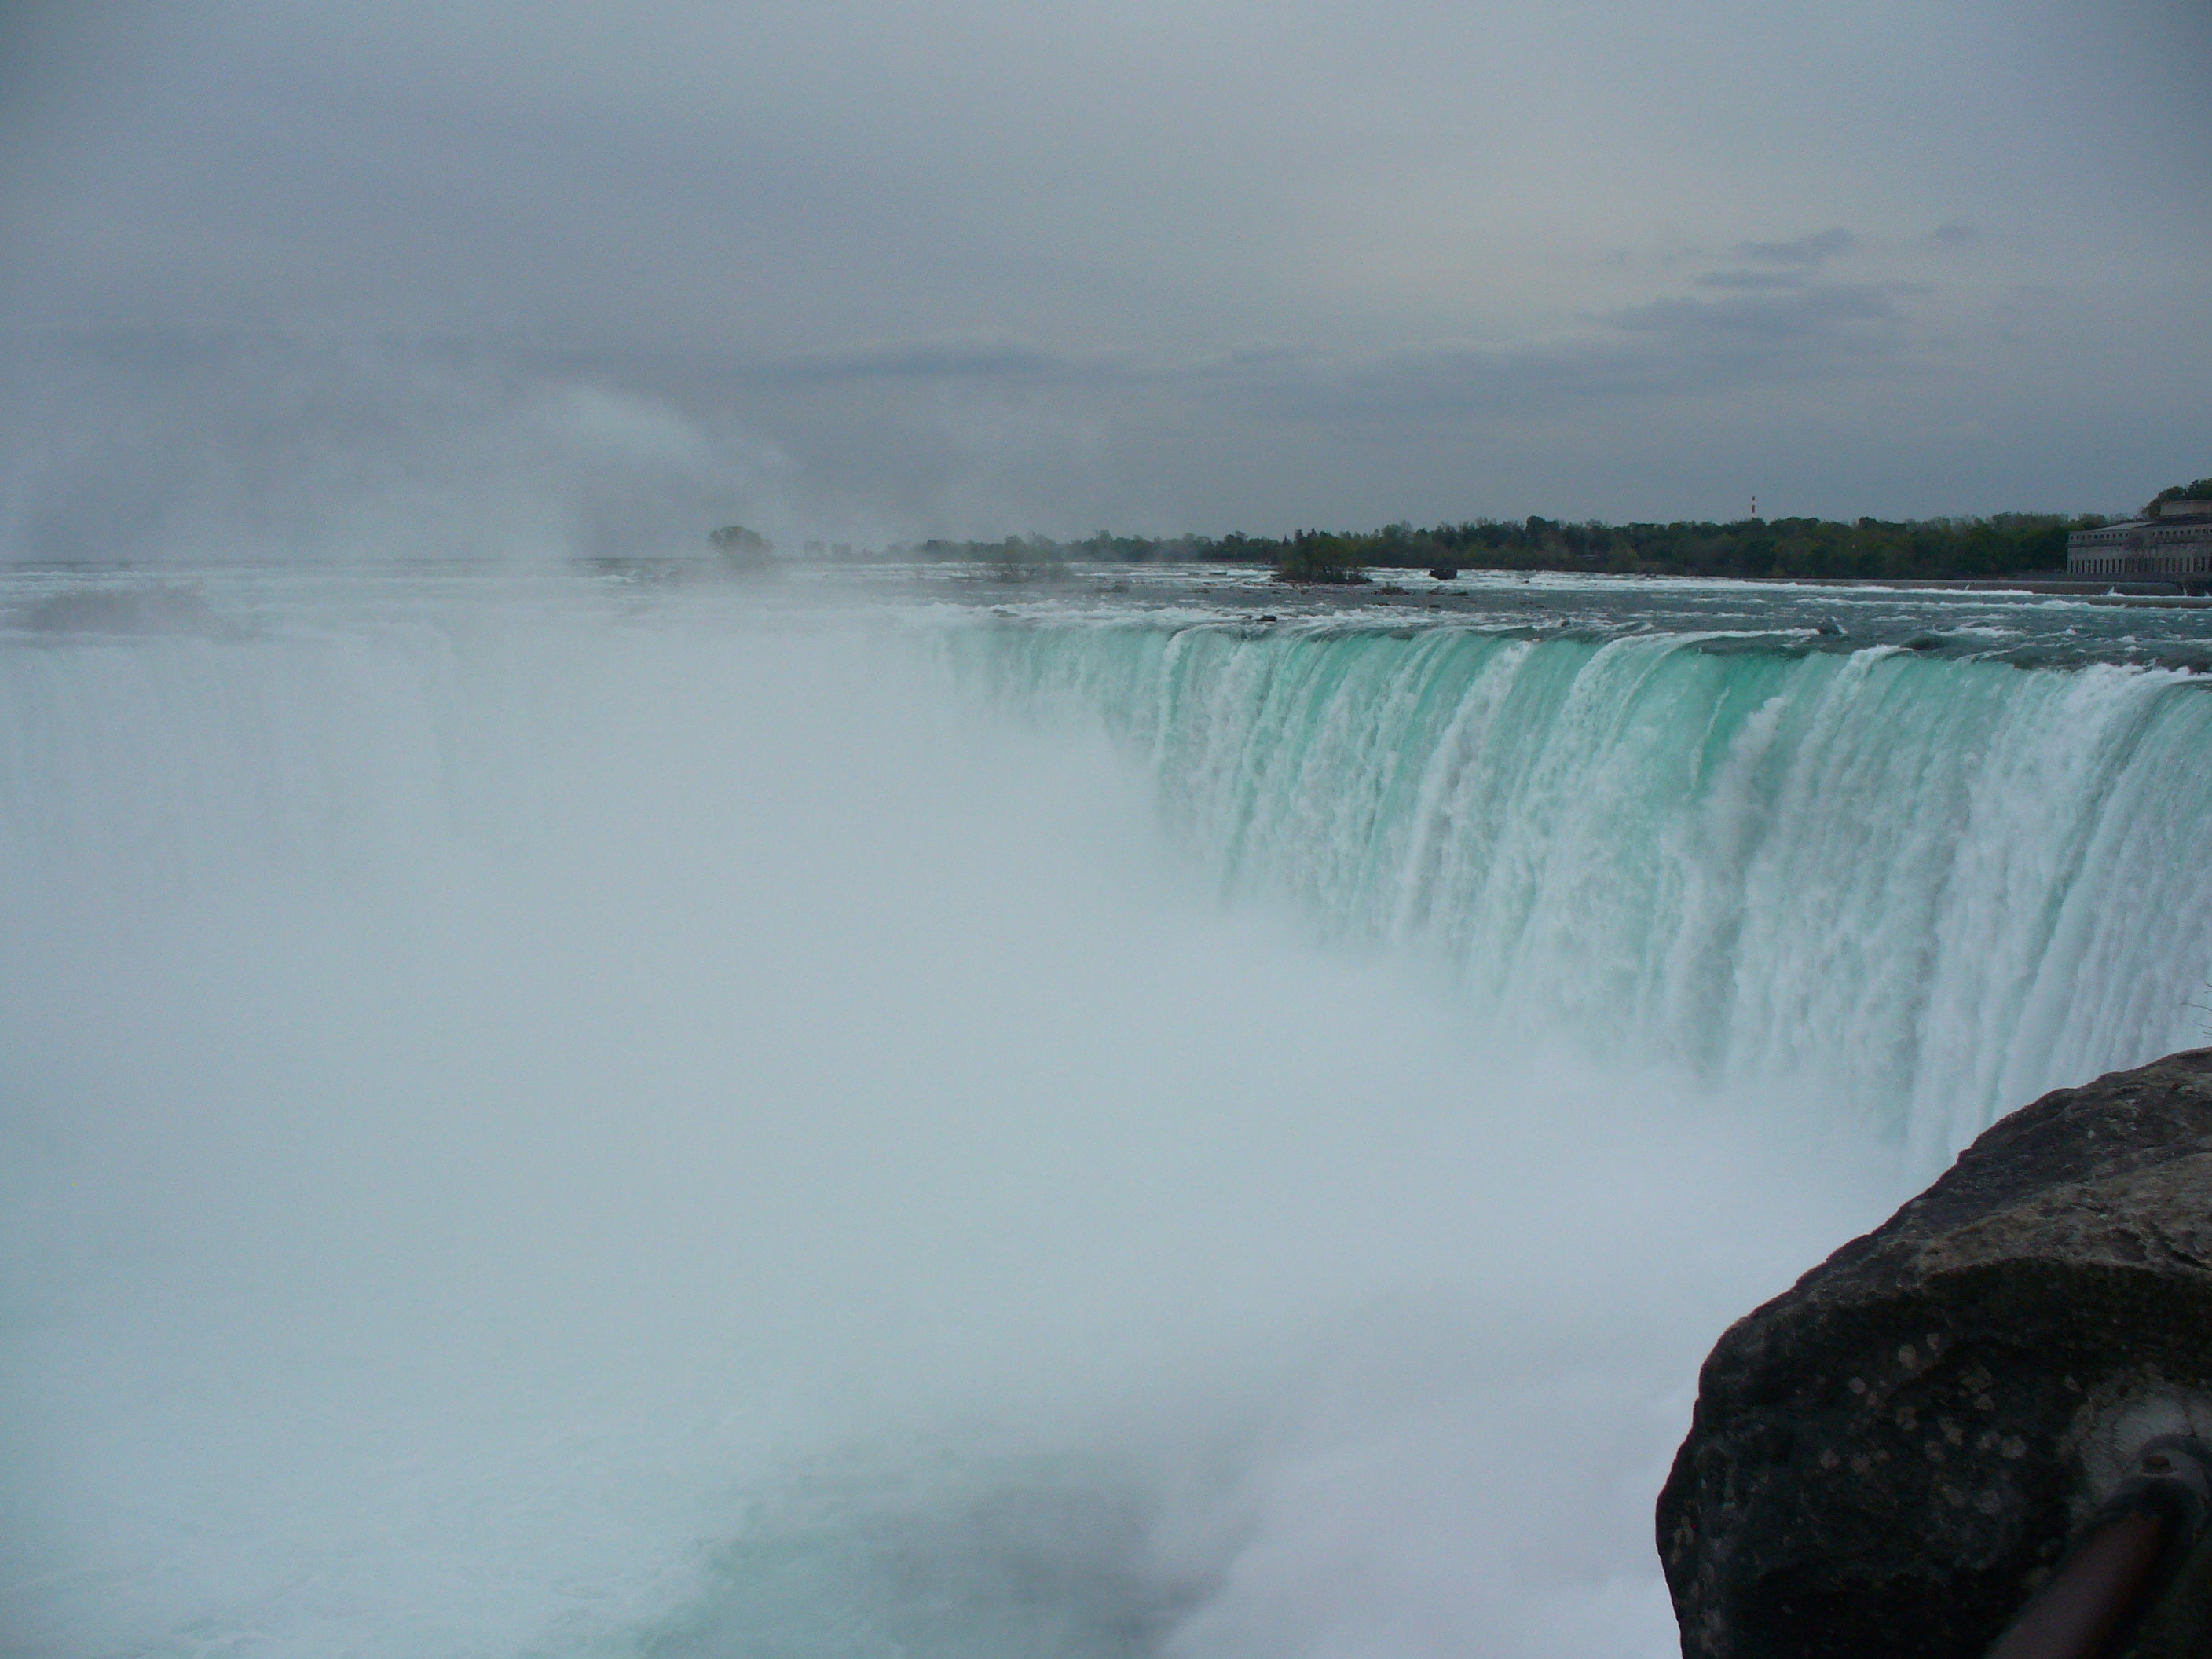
[(1889, 1457)]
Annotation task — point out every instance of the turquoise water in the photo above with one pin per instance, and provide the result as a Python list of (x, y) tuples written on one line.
[(899, 1112), (1927, 887)]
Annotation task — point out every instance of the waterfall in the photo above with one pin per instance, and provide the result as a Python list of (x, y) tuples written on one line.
[(1925, 889), (1921, 889), (556, 1119)]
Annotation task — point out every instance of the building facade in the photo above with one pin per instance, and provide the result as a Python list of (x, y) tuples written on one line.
[(2174, 540)]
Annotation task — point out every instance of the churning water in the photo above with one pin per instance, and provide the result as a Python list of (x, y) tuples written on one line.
[(554, 1115)]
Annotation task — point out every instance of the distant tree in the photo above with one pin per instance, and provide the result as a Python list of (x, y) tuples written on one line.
[(2004, 545), (1316, 555), (734, 541), (2199, 490)]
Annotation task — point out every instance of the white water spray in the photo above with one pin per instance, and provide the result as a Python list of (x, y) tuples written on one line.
[(548, 1127)]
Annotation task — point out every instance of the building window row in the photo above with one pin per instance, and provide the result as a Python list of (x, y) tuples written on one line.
[(2197, 561)]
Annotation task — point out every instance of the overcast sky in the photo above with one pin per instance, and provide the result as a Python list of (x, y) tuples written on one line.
[(310, 277)]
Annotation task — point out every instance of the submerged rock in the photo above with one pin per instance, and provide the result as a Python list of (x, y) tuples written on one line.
[(1889, 1457)]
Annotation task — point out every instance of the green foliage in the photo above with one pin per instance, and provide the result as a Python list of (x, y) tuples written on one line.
[(1104, 547), (2199, 490), (2004, 545), (1313, 556), (2008, 544), (1026, 558)]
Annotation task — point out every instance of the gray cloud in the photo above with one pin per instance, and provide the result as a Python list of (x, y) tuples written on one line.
[(1829, 311), (1664, 349), (974, 267), (980, 356), (1753, 280), (1804, 251)]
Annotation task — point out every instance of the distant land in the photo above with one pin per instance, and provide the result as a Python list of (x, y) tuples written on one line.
[(2004, 545), (2007, 545)]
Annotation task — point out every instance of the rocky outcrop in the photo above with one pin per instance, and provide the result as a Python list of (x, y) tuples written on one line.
[(1889, 1457)]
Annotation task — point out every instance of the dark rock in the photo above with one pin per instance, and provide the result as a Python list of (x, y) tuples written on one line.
[(1445, 573), (1887, 1458)]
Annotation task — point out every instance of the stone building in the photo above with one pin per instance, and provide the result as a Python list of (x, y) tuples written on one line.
[(2174, 538)]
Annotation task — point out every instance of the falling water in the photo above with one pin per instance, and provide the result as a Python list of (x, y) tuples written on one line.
[(1922, 889), (545, 1117)]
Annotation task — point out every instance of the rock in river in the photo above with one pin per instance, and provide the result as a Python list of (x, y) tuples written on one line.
[(1889, 1457)]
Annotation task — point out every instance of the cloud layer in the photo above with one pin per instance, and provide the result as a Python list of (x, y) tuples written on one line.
[(994, 267)]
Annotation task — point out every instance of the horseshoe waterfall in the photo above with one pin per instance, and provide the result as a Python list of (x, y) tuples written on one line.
[(1922, 889), (544, 1114)]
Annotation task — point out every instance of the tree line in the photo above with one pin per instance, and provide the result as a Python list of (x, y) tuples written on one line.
[(2004, 544)]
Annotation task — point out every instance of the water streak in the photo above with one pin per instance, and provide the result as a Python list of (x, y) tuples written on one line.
[(1923, 889)]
